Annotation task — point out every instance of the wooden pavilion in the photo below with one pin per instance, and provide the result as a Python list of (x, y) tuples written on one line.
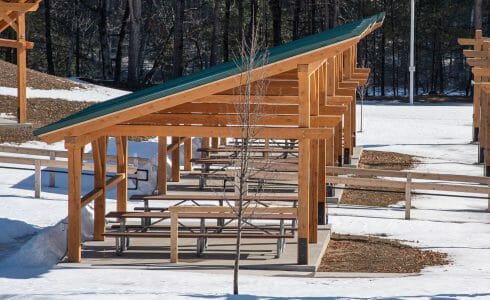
[(13, 15), (310, 97)]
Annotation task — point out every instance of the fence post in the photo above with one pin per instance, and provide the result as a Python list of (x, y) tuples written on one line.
[(37, 179), (408, 196), (52, 175)]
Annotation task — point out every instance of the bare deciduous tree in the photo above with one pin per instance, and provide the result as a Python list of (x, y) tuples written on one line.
[(248, 108)]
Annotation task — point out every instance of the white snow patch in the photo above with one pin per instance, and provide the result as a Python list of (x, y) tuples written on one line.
[(89, 93), (48, 246)]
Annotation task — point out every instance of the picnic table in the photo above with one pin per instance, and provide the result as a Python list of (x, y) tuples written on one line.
[(124, 232)]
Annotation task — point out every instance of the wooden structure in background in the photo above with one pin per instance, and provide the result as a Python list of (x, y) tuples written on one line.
[(310, 97), (479, 60), (13, 15)]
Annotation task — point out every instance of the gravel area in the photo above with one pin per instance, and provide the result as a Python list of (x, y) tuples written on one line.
[(366, 254)]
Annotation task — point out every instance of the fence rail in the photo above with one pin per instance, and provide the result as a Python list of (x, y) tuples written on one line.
[(52, 162), (447, 182)]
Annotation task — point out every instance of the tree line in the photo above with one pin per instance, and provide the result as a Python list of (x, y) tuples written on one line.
[(136, 43)]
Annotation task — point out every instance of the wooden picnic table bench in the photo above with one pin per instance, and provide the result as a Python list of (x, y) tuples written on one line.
[(125, 231)]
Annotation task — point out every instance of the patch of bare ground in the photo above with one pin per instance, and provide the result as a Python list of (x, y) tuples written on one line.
[(379, 196), (366, 254), (40, 112), (35, 79)]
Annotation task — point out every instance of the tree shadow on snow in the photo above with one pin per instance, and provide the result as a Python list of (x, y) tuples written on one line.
[(254, 297)]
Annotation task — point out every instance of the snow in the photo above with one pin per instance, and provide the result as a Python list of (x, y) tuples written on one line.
[(439, 134), (89, 92)]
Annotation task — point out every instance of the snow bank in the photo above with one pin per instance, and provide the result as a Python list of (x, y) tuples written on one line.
[(48, 246), (13, 230)]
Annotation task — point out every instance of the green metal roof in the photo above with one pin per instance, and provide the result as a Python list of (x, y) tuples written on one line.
[(215, 73)]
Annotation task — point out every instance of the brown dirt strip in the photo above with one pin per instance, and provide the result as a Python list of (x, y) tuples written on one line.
[(382, 197), (366, 254)]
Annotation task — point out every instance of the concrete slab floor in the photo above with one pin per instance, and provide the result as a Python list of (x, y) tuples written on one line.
[(257, 254)]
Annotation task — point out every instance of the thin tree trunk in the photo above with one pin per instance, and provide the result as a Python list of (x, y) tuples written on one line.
[(177, 53), (335, 14), (253, 18), (313, 16), (49, 41), (326, 14), (275, 6), (134, 41), (78, 50), (297, 11), (120, 43), (214, 45), (240, 20), (104, 39), (383, 59), (226, 31), (478, 14)]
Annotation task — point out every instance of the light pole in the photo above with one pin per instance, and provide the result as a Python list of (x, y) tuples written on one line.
[(412, 50)]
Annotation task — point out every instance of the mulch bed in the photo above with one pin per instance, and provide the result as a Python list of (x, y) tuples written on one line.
[(382, 197), (366, 254), (35, 79)]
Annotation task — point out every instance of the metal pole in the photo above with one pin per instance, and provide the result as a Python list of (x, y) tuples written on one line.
[(412, 51)]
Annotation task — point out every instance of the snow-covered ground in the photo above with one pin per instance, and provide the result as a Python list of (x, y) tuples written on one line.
[(439, 134), (88, 92)]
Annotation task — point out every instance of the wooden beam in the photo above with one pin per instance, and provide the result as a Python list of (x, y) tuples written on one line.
[(228, 119), (176, 160), (99, 154), (188, 154), (21, 69), (74, 204), (162, 165), (267, 99), (122, 168), (16, 44), (89, 197), (230, 131), (115, 180)]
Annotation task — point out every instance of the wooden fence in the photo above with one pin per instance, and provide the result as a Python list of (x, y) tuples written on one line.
[(444, 182), (51, 159)]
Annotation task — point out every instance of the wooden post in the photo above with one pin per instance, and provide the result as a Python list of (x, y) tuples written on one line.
[(176, 160), (215, 142), (204, 144), (21, 68), (188, 154), (303, 165), (162, 165), (37, 179), (313, 205), (322, 190), (74, 203), (174, 237), (52, 175), (122, 169), (99, 154), (408, 196)]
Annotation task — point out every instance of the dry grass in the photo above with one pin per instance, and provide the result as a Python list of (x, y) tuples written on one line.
[(353, 253)]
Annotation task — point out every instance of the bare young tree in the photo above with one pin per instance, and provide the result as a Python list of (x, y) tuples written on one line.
[(248, 108), (361, 91)]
